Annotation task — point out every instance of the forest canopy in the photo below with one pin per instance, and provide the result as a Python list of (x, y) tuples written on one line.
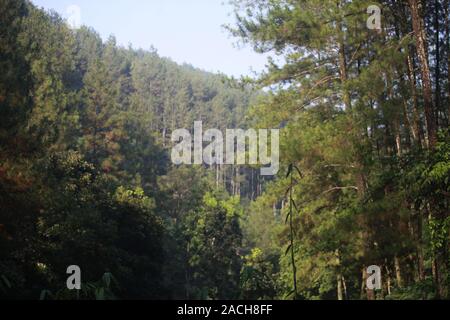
[(86, 177)]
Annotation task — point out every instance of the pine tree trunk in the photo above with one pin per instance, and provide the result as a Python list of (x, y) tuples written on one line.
[(343, 64), (420, 257), (421, 45), (388, 280), (238, 183), (344, 286), (411, 135), (416, 115), (343, 74), (398, 137), (164, 131), (340, 290), (447, 36), (438, 62), (436, 276), (217, 175), (398, 272)]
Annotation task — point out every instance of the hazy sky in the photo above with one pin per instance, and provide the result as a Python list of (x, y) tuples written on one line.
[(184, 30)]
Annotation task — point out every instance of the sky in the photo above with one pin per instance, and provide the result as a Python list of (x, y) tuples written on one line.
[(187, 31)]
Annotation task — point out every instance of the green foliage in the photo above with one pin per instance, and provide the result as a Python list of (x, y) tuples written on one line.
[(258, 276), (85, 176), (99, 290), (215, 240), (373, 188)]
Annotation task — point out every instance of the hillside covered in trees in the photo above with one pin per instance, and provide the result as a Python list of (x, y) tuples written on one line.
[(86, 177)]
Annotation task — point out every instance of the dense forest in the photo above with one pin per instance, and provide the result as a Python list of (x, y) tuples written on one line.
[(86, 177)]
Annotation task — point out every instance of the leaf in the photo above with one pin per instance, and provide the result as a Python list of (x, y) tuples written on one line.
[(295, 205), (291, 166), (287, 217), (287, 250), (291, 293), (6, 281), (100, 294), (299, 172), (287, 191)]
